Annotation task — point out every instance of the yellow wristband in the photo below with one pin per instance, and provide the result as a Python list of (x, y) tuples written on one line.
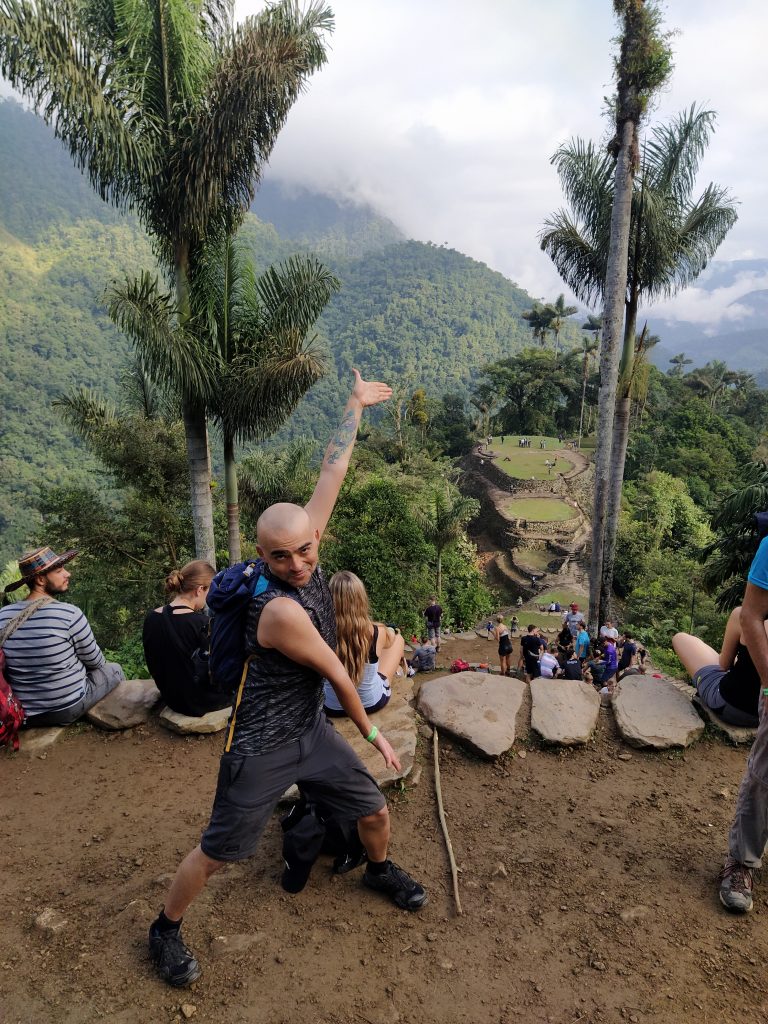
[(372, 734)]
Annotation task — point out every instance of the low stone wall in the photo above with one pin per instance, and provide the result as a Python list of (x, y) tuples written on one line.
[(568, 526), (542, 488)]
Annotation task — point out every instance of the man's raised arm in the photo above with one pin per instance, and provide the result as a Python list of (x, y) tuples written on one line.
[(339, 450)]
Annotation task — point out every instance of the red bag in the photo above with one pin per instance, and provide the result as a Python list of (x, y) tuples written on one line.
[(11, 712), (459, 665)]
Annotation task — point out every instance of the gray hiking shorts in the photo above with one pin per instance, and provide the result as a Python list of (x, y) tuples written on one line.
[(250, 786)]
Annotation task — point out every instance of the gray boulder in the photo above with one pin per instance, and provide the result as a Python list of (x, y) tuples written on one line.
[(734, 733), (398, 723), (478, 709), (564, 711), (186, 725), (127, 705), (653, 712), (37, 741)]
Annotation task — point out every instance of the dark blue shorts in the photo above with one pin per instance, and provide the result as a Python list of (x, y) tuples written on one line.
[(250, 786)]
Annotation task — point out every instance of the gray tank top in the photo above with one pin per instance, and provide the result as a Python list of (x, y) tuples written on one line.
[(281, 699)]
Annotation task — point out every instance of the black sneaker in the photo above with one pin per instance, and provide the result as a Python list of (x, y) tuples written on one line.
[(173, 960), (398, 885)]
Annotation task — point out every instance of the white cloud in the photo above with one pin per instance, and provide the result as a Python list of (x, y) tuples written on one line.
[(445, 117), (698, 306)]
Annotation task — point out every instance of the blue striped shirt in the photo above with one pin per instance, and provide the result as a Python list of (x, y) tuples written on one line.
[(48, 656)]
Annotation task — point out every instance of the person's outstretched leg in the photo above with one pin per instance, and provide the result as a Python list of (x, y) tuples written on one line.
[(174, 961), (381, 874), (693, 653)]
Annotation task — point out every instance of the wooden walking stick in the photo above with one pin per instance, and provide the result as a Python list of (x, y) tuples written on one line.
[(441, 813)]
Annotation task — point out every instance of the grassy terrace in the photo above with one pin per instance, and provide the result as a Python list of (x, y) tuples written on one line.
[(540, 510), (525, 463)]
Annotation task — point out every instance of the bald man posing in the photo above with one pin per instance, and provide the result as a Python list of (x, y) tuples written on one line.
[(277, 735)]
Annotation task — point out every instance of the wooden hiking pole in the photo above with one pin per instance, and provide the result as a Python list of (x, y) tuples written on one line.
[(441, 813)]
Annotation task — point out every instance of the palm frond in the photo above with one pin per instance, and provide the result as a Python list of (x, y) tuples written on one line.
[(580, 265), (168, 354), (47, 54), (293, 294), (259, 74), (85, 411)]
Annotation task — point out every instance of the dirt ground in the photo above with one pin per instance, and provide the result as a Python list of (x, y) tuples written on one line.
[(587, 884)]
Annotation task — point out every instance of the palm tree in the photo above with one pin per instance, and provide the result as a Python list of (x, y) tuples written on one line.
[(557, 313), (590, 347), (265, 364), (538, 319), (288, 475), (255, 332), (643, 65), (443, 523), (678, 362), (172, 112), (736, 537), (673, 237)]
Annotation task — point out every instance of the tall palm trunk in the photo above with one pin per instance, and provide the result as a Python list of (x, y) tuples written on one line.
[(233, 504), (621, 418), (583, 394), (196, 434), (613, 316), (439, 573)]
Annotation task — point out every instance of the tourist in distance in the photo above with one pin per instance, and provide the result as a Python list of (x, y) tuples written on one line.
[(176, 643), (749, 832), (433, 613), (423, 658), (565, 643), (371, 652), (627, 656), (572, 619), (530, 647), (502, 635), (277, 734), (727, 683), (609, 630), (611, 663), (53, 662), (549, 667), (514, 625), (582, 642)]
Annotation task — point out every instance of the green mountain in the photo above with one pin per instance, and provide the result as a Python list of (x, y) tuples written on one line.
[(408, 312)]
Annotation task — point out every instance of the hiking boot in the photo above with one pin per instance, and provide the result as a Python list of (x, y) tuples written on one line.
[(398, 885), (736, 887), (173, 960)]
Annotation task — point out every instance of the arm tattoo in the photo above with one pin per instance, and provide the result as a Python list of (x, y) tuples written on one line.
[(342, 439)]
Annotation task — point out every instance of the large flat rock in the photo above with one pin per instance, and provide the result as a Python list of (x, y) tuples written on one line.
[(38, 741), (186, 725), (476, 708), (398, 723), (653, 712), (564, 711), (127, 705), (736, 734)]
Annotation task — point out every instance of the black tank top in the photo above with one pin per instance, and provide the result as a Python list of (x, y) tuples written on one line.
[(281, 699), (740, 686)]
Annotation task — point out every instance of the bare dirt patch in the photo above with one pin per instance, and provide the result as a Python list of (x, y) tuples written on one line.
[(587, 883)]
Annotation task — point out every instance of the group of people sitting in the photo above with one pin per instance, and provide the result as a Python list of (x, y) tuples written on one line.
[(600, 660)]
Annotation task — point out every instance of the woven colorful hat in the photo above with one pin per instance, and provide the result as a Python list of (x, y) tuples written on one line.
[(40, 560)]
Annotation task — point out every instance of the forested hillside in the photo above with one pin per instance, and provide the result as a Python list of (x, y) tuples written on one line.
[(408, 311)]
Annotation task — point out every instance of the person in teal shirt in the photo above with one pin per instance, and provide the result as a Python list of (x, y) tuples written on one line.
[(582, 642)]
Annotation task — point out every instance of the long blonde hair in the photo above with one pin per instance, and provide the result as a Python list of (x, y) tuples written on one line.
[(353, 622)]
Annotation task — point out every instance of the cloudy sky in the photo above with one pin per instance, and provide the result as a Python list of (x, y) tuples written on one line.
[(444, 115)]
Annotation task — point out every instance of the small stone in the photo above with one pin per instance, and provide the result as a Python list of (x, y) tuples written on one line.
[(634, 914), (500, 871), (724, 793), (447, 965), (625, 757), (50, 922), (537, 988), (415, 777), (432, 937), (425, 731), (598, 965), (188, 1010), (521, 754)]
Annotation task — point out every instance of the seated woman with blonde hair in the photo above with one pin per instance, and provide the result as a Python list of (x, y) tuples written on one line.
[(174, 633), (727, 683), (369, 651)]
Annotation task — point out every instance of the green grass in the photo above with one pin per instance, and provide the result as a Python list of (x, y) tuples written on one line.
[(565, 597), (525, 463), (540, 510), (533, 558)]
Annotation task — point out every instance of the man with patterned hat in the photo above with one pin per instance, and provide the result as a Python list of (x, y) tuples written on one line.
[(53, 662)]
